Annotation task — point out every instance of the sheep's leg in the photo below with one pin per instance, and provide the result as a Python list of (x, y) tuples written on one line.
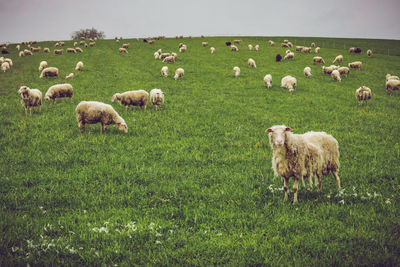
[(286, 187), (336, 174), (40, 108), (26, 110), (70, 99), (30, 111), (295, 188), (319, 183)]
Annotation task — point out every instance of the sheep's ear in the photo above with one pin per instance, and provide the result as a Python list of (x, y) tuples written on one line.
[(269, 130), (288, 129)]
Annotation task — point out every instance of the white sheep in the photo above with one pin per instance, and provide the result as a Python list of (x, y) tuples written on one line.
[(18, 47), (71, 50), (164, 71), (21, 54), (123, 50), (303, 155), (287, 51), (59, 91), (58, 51), (307, 72), (179, 73), (69, 76), (250, 47), (344, 70), (183, 48), (307, 50), (157, 97), (169, 59), (78, 50), (204, 44), (91, 112), (391, 77), (212, 50), (236, 71), (271, 43), (5, 66), (164, 55), (299, 48), (369, 52), (336, 75), (30, 98), (251, 63), (289, 82), (156, 55), (312, 44), (363, 94), (268, 80), (9, 60), (318, 60), (234, 48), (289, 55), (126, 45), (46, 50), (317, 50), (49, 72), (355, 65), (79, 66), (42, 65), (327, 70), (134, 98), (392, 85), (257, 47), (338, 59)]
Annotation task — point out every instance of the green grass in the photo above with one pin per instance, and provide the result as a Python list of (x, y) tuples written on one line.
[(192, 184)]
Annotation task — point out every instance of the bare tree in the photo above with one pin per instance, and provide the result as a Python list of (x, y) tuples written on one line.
[(87, 33)]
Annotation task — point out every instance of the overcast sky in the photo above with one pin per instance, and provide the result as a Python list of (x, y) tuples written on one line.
[(24, 20)]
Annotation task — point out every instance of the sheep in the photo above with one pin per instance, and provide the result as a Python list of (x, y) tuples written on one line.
[(58, 91), (82, 43), (79, 66), (71, 50), (156, 55), (78, 50), (351, 50), (287, 51), (271, 43), (27, 52), (123, 50), (179, 73), (35, 49), (257, 47), (125, 45), (58, 51), (317, 50), (204, 44), (284, 45), (338, 59), (318, 60), (299, 48), (390, 77), (91, 44), (392, 85), (42, 65), (5, 66), (237, 41), (369, 52), (303, 156), (9, 61), (355, 65), (61, 43), (344, 70), (250, 47), (278, 57), (46, 50), (49, 72), (251, 63), (236, 71), (21, 54), (306, 50), (175, 55), (69, 76), (164, 55), (312, 44), (307, 72), (234, 48), (289, 82), (182, 49), (91, 112), (212, 50), (268, 80), (18, 47), (164, 71), (289, 55), (336, 75), (170, 59), (327, 70), (30, 98), (363, 94), (134, 98), (156, 97), (75, 43)]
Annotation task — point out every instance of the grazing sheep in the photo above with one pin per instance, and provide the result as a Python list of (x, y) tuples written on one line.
[(351, 50), (318, 60), (344, 70), (306, 50), (336, 75), (61, 43), (78, 50), (338, 59), (156, 97), (175, 55), (134, 98), (179, 73), (312, 44), (251, 63), (307, 72), (289, 82), (170, 59), (271, 43), (156, 55), (91, 44), (204, 44), (59, 91), (27, 52), (46, 50), (91, 112), (268, 80), (30, 98), (355, 65), (278, 58), (35, 49), (288, 51), (327, 70), (317, 50), (21, 54), (392, 85), (18, 47), (303, 156), (369, 52), (75, 43), (69, 76), (299, 48), (123, 50), (9, 61), (125, 45), (390, 77), (236, 71), (237, 41), (363, 94), (49, 72), (212, 50), (289, 55), (182, 49), (71, 50), (5, 66), (257, 47), (234, 48), (79, 66), (164, 71), (42, 65), (250, 47), (164, 55), (58, 51)]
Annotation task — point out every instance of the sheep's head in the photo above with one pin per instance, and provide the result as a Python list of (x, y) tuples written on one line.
[(23, 89), (122, 127), (116, 96), (277, 135), (47, 98)]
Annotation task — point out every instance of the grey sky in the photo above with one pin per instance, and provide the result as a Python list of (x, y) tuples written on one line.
[(24, 20)]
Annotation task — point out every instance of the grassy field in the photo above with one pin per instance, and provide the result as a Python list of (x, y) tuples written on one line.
[(192, 183)]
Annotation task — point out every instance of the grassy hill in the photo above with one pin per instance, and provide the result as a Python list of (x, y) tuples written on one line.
[(192, 183)]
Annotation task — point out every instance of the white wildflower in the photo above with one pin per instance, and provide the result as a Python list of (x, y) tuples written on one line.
[(14, 248), (388, 201), (341, 202), (158, 242)]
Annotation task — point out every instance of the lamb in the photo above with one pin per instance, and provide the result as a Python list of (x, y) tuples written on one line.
[(344, 70), (236, 71), (355, 65), (251, 63), (268, 80), (170, 59), (390, 77), (271, 43), (9, 61), (79, 66), (49, 72), (42, 65), (69, 76), (58, 91), (91, 112), (123, 50), (303, 155), (289, 82), (75, 43), (338, 59), (30, 98), (125, 45), (5, 66), (212, 50), (156, 97), (369, 52), (318, 60), (78, 50), (234, 48), (58, 51), (71, 50), (179, 73), (317, 50), (134, 98), (363, 94), (46, 50), (299, 48), (204, 44), (164, 55), (392, 85), (327, 70), (250, 47), (306, 50), (21, 54), (289, 55), (182, 49), (336, 75), (257, 47), (164, 71), (27, 52), (307, 72)]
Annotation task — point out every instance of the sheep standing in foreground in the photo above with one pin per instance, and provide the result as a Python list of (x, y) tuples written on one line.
[(30, 98), (289, 82), (336, 75), (69, 76), (134, 98), (236, 71), (79, 66), (156, 97), (318, 60), (344, 70), (49, 72), (303, 155), (42, 65), (338, 59), (392, 85), (363, 94), (369, 52), (58, 91), (91, 112), (251, 63), (307, 72), (355, 65), (164, 71), (5, 66), (212, 50), (179, 73), (268, 80)]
